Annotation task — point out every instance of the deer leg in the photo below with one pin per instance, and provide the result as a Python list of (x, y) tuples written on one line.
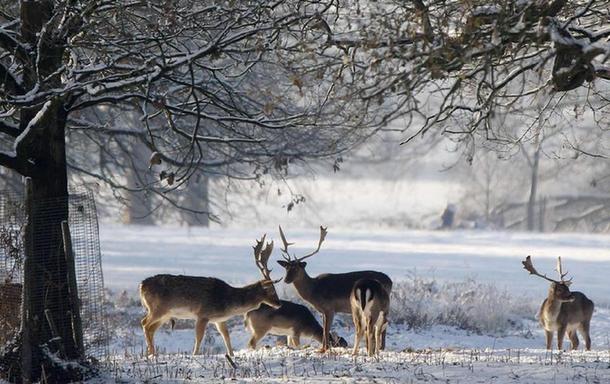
[(296, 340), (549, 338), (253, 341), (328, 320), (561, 331), (357, 332), (149, 332), (584, 330), (222, 328), (200, 325), (257, 335), (370, 342), (573, 339), (378, 333)]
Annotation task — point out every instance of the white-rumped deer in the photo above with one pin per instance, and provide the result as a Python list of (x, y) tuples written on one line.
[(290, 319), (328, 293), (563, 310), (204, 299), (370, 306)]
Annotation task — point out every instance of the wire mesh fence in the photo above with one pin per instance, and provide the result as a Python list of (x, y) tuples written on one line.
[(83, 224)]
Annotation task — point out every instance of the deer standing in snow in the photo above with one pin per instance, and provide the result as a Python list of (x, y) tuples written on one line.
[(328, 293), (204, 299), (370, 306), (563, 310)]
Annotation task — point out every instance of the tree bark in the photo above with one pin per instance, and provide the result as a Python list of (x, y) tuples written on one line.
[(531, 203), (49, 326), (139, 209), (196, 199)]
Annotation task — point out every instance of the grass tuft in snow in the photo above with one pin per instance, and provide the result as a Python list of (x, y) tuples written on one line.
[(421, 303)]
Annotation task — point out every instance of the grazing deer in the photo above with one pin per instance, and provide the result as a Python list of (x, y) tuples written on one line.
[(290, 319), (328, 293), (563, 310), (204, 299), (370, 306)]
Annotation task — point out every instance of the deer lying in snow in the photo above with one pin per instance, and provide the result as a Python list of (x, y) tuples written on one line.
[(328, 293), (290, 319), (370, 306), (563, 310), (204, 299)]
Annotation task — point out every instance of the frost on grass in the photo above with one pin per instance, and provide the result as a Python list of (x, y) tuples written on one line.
[(281, 364), (421, 303)]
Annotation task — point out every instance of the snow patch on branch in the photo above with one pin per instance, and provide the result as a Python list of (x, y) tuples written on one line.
[(487, 10), (33, 123), (95, 90)]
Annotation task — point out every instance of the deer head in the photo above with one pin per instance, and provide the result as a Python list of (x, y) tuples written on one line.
[(560, 289), (294, 265)]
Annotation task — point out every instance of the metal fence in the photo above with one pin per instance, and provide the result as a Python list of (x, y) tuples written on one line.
[(87, 258)]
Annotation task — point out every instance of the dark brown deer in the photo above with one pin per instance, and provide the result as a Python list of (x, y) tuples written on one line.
[(290, 319), (563, 310), (204, 299), (370, 306), (328, 293)]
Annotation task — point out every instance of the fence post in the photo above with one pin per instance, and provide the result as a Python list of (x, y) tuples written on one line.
[(73, 289), (27, 365)]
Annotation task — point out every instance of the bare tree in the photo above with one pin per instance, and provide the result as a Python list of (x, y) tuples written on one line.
[(215, 93), (457, 64)]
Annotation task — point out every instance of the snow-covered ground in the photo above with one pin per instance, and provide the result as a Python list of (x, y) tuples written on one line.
[(435, 353)]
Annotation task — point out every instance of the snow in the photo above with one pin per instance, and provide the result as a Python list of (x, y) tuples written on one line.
[(131, 254), (438, 353), (487, 10)]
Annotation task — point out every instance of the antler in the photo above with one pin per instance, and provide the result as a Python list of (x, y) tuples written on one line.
[(528, 266), (322, 237), (284, 250), (261, 256), (560, 271), (285, 253)]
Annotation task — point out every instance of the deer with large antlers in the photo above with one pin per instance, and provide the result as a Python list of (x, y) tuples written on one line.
[(328, 293), (205, 299), (563, 310)]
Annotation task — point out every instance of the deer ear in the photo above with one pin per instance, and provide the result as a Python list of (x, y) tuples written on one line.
[(303, 264), (283, 263)]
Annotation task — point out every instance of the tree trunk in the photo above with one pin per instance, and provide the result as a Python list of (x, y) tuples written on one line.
[(531, 203), (139, 209), (196, 199), (50, 321), (48, 324)]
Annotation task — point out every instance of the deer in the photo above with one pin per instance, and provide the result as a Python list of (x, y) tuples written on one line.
[(563, 310), (205, 299), (328, 293), (370, 304), (290, 319)]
